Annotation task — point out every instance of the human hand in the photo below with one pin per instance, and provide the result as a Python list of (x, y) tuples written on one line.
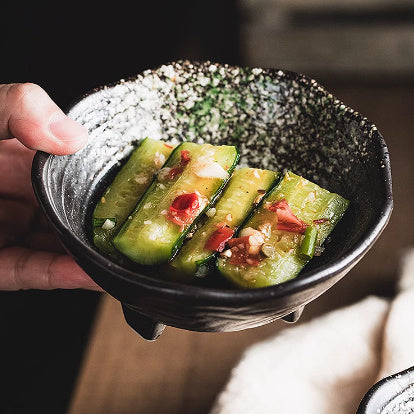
[(30, 255)]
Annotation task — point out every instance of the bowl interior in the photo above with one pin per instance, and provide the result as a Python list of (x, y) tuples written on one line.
[(279, 120)]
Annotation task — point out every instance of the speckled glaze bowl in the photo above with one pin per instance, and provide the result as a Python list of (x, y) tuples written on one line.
[(279, 120), (391, 395)]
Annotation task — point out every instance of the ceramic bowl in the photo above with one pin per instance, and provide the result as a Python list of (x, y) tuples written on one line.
[(279, 120), (391, 395)]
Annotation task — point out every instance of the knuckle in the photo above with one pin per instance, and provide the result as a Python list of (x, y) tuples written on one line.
[(22, 94)]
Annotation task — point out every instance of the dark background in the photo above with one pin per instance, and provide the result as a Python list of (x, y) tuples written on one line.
[(69, 47), (363, 52)]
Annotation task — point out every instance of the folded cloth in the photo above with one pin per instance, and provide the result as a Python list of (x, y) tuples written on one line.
[(398, 339), (328, 364)]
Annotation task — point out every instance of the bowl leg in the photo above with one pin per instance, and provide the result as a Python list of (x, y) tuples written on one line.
[(144, 326), (293, 316)]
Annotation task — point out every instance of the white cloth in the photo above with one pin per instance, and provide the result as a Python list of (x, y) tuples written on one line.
[(326, 366)]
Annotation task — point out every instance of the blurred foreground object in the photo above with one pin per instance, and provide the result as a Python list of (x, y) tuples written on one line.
[(328, 364), (372, 38)]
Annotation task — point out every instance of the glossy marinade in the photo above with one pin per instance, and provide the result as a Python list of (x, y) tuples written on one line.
[(275, 254), (244, 191), (125, 190), (190, 181)]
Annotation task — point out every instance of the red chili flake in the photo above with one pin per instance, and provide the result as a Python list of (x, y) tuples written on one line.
[(320, 221), (252, 260), (239, 240), (168, 146), (241, 258), (184, 209), (286, 220), (185, 159), (217, 241), (240, 255), (174, 171)]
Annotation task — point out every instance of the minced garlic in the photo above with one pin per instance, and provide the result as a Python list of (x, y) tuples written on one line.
[(226, 253), (211, 212), (159, 159), (141, 179), (108, 224)]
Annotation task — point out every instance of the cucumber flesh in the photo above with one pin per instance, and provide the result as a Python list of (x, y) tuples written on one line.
[(308, 202), (125, 191), (149, 237), (244, 190)]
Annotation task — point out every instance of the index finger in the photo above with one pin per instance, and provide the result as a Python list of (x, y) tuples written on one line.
[(29, 114), (22, 268)]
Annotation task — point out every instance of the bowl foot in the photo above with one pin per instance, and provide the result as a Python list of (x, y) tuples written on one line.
[(144, 326), (293, 316)]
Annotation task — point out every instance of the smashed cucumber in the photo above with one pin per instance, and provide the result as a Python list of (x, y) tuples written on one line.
[(125, 190), (243, 192), (310, 203), (148, 237)]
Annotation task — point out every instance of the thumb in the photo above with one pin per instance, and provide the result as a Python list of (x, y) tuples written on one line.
[(29, 114)]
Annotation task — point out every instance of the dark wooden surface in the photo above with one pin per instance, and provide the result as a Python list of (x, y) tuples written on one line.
[(182, 372)]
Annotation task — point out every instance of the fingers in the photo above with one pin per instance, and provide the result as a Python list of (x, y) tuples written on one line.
[(22, 268), (15, 221), (24, 225), (28, 114), (45, 241), (15, 166)]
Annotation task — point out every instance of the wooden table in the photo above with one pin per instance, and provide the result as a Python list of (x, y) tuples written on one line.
[(182, 372)]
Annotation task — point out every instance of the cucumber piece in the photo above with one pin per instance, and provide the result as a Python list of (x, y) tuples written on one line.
[(149, 237), (243, 192), (282, 259), (124, 192)]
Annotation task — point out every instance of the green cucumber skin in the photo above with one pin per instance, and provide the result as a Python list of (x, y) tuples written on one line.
[(123, 193), (238, 199), (287, 262), (148, 237), (307, 248)]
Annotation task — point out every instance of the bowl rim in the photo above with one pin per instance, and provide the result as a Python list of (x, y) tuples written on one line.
[(308, 279), (379, 392)]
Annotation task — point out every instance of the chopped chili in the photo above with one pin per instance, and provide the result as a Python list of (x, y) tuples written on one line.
[(240, 254), (320, 221), (184, 209), (174, 171), (185, 159), (217, 240), (286, 220), (239, 241)]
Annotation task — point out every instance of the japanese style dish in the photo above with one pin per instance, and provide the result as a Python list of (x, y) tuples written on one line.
[(190, 210)]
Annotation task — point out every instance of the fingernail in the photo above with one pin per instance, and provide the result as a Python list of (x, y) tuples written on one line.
[(68, 131)]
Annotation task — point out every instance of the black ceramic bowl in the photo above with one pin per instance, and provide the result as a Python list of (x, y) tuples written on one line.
[(391, 395), (279, 120)]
